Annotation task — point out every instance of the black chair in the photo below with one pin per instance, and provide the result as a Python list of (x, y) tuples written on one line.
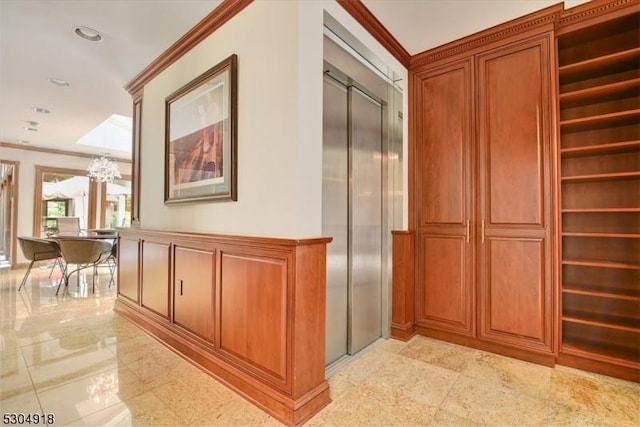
[(35, 249)]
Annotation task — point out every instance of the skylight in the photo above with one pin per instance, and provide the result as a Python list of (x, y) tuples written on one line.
[(114, 134)]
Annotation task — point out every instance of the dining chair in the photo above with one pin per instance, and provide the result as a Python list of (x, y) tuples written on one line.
[(83, 253), (35, 249), (112, 262), (68, 225)]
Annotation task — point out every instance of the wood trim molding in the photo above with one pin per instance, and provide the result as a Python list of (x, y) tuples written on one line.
[(360, 13), (595, 9), (103, 200), (402, 309), (56, 151), (136, 147), (528, 22), (546, 359), (216, 19), (14, 211)]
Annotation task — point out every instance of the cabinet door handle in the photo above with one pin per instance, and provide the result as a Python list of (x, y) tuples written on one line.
[(180, 287), (467, 231), (483, 231)]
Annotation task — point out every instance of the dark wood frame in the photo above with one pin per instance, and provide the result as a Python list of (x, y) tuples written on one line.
[(37, 193), (14, 211), (230, 142), (103, 199), (135, 158)]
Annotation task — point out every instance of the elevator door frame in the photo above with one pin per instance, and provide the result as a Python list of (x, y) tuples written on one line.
[(341, 79)]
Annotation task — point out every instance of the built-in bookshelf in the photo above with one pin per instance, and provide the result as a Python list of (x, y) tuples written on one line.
[(599, 95)]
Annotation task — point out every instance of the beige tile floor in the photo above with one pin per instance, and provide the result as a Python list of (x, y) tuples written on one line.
[(72, 356)]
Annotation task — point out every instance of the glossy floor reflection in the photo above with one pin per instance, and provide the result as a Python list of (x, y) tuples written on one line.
[(72, 356)]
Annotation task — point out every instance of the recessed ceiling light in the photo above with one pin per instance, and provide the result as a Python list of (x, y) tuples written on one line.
[(30, 129), (88, 34), (32, 123), (40, 110), (59, 82)]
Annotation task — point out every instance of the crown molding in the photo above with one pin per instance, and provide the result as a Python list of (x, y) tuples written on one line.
[(216, 19), (60, 152), (360, 13), (525, 23), (596, 9)]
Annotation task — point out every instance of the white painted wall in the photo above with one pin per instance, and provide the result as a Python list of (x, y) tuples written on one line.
[(27, 176), (279, 48)]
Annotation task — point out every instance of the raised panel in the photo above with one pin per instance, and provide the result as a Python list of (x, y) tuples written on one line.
[(194, 291), (514, 300), (443, 144), (155, 277), (253, 313), (445, 289), (128, 258), (513, 94)]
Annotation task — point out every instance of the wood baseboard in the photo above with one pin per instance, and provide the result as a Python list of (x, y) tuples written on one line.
[(600, 367), (402, 332), (526, 355)]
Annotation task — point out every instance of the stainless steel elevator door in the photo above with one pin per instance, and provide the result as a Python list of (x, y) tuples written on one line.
[(365, 197), (352, 215), (335, 180)]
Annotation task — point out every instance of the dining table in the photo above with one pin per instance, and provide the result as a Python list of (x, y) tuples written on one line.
[(88, 234)]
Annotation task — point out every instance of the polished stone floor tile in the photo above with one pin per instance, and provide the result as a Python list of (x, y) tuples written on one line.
[(86, 396), (528, 378), (445, 355), (445, 419), (418, 381), (67, 346), (71, 368), (597, 394), (135, 348), (235, 412), (371, 405), (489, 403), (182, 396), (24, 403), (73, 356), (15, 379), (146, 410)]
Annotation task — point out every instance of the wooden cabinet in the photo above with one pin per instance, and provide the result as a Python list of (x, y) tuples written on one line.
[(514, 212), (249, 310), (128, 268), (155, 276), (483, 134), (599, 82), (193, 290), (444, 158)]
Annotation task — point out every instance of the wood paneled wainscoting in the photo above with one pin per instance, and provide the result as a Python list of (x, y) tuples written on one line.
[(249, 310)]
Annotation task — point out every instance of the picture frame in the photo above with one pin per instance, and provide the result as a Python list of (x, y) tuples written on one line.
[(201, 137)]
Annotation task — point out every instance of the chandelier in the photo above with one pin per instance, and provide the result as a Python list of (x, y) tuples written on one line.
[(103, 169)]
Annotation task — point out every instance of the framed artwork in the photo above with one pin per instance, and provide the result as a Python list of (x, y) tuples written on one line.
[(200, 137)]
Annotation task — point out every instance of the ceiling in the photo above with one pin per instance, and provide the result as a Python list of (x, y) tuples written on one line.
[(37, 42), (420, 25)]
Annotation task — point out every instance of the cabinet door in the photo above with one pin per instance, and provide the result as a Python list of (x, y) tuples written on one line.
[(443, 194), (194, 290), (128, 267), (155, 277), (514, 113)]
